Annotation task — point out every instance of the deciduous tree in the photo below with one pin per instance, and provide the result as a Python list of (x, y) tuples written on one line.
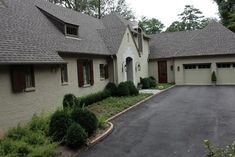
[(151, 26)]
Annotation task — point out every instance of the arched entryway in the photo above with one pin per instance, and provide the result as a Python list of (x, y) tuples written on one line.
[(129, 69)]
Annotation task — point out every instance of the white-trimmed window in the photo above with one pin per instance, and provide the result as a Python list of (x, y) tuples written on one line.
[(102, 71), (71, 30), (64, 74)]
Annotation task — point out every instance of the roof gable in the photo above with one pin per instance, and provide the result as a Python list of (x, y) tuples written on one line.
[(214, 39)]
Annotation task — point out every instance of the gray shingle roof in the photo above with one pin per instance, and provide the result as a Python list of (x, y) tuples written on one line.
[(113, 32), (215, 39), (28, 36)]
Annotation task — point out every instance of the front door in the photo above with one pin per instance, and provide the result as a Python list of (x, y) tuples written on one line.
[(162, 71)]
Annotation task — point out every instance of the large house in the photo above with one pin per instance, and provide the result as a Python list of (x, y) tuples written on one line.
[(47, 51)]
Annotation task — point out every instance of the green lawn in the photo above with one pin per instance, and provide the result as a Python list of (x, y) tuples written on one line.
[(113, 105), (162, 86)]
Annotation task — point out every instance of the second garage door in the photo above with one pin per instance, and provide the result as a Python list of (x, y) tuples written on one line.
[(225, 73), (197, 74)]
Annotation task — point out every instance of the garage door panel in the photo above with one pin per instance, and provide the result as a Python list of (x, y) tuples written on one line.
[(226, 76), (197, 76)]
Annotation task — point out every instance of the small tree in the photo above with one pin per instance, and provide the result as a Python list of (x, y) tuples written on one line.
[(213, 77)]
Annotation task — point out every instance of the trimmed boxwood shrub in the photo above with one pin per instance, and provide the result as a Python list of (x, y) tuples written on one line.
[(76, 136), (93, 98), (58, 125), (86, 119), (132, 89), (152, 82), (70, 101), (123, 89), (145, 83), (112, 88)]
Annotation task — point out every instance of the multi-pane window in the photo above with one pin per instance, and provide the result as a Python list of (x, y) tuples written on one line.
[(104, 74), (223, 65), (64, 73), (22, 78), (102, 71), (29, 77), (197, 66), (190, 66), (85, 72), (204, 66), (71, 30)]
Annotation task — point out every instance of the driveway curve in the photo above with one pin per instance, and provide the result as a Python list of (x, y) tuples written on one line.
[(173, 124)]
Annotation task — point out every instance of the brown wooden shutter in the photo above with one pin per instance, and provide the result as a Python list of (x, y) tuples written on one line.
[(91, 72), (18, 79), (106, 70), (80, 73)]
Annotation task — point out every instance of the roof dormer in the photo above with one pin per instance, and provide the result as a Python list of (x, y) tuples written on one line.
[(71, 30)]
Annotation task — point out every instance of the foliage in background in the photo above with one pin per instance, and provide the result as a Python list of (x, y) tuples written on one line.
[(227, 11), (98, 8), (151, 26), (190, 19), (211, 151)]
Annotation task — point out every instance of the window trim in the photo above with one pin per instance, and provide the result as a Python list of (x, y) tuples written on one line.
[(224, 65), (18, 78), (103, 68), (63, 80), (81, 82), (71, 35)]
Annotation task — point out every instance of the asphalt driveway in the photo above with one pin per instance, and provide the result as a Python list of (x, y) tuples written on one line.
[(173, 124)]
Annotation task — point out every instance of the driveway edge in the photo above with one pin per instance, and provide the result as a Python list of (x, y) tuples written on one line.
[(139, 103), (101, 137)]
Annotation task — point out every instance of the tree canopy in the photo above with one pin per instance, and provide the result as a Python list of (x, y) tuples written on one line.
[(151, 26), (190, 19), (98, 8), (227, 12)]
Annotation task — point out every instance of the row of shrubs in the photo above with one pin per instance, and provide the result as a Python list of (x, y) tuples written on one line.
[(148, 82), (123, 89)]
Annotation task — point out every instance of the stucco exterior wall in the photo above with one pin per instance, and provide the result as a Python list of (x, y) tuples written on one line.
[(47, 97), (128, 49), (230, 77), (153, 70)]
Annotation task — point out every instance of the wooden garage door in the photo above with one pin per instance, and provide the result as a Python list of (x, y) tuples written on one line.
[(197, 74), (225, 73)]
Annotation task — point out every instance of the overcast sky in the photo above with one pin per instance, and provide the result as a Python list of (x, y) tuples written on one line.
[(167, 10)]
